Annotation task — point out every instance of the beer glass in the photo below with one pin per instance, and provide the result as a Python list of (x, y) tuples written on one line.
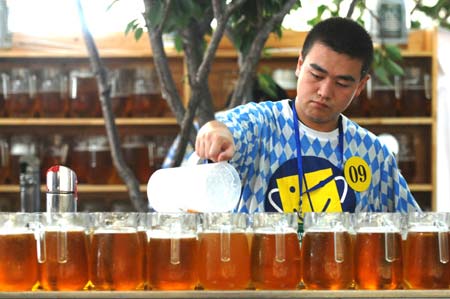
[(146, 98), (20, 145), (327, 253), (172, 252), (275, 251), (116, 252), (426, 253), (139, 153), (84, 95), (19, 89), (64, 266), (224, 253), (378, 254), (52, 97), (121, 83), (18, 252)]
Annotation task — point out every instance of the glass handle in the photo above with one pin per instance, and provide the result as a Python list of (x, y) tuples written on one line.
[(427, 86), (32, 81), (5, 84), (39, 235), (397, 87), (61, 245), (443, 247), (369, 89), (73, 87), (225, 246), (280, 249), (339, 247), (390, 252), (174, 251)]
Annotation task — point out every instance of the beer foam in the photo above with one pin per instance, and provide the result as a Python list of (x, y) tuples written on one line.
[(326, 230), (273, 231), (426, 229), (55, 228), (160, 234), (117, 230), (378, 229), (15, 231)]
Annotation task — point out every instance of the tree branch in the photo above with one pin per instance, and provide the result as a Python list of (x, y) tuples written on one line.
[(113, 137), (351, 9), (250, 62)]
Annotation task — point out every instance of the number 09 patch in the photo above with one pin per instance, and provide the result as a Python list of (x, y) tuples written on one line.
[(357, 173)]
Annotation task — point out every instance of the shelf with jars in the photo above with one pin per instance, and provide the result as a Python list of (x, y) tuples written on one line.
[(407, 110)]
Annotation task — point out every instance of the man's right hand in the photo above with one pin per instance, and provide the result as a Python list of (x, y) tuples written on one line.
[(215, 142)]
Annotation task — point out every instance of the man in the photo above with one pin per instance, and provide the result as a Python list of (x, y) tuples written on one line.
[(304, 155)]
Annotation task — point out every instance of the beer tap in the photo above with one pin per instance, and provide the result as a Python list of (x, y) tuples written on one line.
[(61, 189)]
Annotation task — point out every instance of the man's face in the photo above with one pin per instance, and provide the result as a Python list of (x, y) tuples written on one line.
[(327, 83)]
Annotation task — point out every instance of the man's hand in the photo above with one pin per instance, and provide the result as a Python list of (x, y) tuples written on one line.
[(215, 142)]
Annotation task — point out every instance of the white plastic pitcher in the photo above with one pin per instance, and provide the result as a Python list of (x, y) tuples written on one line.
[(213, 187)]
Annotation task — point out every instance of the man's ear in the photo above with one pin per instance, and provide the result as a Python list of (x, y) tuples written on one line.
[(299, 65), (362, 85)]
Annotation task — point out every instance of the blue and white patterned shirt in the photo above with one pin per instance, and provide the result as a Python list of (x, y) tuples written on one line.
[(266, 159)]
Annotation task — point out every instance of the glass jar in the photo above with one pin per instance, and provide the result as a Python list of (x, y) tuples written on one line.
[(54, 152), (383, 99), (84, 94), (19, 88), (139, 154), (52, 93), (121, 85), (146, 97), (21, 145)]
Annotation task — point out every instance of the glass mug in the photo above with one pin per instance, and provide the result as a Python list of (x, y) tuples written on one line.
[(172, 252), (116, 252), (327, 253), (146, 98), (383, 100), (20, 145), (19, 89), (54, 152), (224, 253), (426, 251), (64, 266), (121, 85), (275, 251), (84, 94), (18, 252), (52, 95), (139, 153), (378, 253)]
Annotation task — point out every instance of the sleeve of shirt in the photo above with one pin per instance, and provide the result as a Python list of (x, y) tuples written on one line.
[(397, 197)]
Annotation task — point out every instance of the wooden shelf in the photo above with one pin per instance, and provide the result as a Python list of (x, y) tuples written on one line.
[(393, 120), (88, 188), (272, 294), (155, 121)]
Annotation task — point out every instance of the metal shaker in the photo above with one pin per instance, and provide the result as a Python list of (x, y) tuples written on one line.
[(61, 189)]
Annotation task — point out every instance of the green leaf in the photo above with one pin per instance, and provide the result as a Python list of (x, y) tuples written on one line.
[(393, 68), (268, 85), (393, 52), (131, 26), (138, 33), (381, 75)]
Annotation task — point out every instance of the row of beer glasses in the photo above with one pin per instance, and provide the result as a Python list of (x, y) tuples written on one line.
[(54, 92), (223, 251)]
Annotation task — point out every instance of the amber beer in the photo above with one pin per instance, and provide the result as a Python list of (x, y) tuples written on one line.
[(116, 260), (327, 264), (66, 264), (147, 105), (52, 104), (426, 265), (172, 262), (224, 261), (378, 260), (20, 105), (272, 269), (18, 260)]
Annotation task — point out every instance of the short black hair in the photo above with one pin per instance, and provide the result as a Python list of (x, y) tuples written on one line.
[(344, 36)]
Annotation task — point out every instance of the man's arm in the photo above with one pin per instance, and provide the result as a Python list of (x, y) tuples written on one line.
[(215, 142)]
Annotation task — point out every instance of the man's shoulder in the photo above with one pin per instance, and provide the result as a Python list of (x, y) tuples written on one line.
[(354, 129)]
